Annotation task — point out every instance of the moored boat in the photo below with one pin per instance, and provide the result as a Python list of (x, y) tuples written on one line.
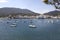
[(32, 26)]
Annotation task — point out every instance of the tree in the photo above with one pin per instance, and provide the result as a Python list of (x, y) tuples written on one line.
[(45, 1), (56, 3)]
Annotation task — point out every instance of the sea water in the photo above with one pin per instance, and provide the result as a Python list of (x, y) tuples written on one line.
[(46, 29)]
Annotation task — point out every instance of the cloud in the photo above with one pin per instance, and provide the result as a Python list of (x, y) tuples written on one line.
[(2, 1)]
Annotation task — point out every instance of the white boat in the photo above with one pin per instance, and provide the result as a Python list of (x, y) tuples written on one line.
[(8, 21), (13, 25), (32, 26)]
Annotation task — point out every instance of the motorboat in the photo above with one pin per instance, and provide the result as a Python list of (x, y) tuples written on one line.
[(13, 25), (32, 26)]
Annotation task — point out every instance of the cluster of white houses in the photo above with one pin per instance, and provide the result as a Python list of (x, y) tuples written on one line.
[(49, 16), (34, 16), (25, 16)]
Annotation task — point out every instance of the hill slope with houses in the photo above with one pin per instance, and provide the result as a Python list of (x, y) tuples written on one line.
[(53, 14), (6, 11)]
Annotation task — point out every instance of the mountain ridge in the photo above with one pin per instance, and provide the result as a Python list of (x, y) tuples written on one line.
[(53, 13), (16, 11)]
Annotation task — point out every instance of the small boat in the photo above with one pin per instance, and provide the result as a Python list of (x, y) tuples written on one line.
[(13, 25), (32, 26), (8, 21)]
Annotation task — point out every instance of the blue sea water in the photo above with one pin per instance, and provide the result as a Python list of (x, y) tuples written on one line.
[(46, 29)]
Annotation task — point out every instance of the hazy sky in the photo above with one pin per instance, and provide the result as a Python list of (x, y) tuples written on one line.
[(34, 5)]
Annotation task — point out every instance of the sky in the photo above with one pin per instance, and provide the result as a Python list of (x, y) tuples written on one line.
[(37, 6)]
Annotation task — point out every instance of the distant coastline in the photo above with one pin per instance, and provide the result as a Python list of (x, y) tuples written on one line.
[(17, 13), (32, 17)]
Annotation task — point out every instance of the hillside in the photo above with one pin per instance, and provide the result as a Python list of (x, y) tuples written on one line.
[(16, 11), (53, 13)]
